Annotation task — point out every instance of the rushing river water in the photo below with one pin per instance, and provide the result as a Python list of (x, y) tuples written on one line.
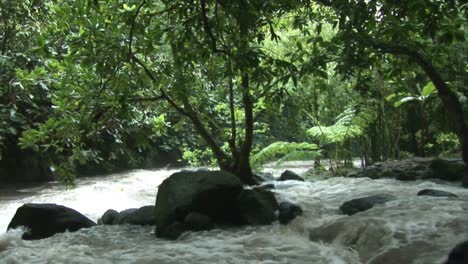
[(411, 229)]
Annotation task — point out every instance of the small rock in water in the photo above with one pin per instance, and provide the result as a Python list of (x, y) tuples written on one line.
[(436, 193), (288, 211), (141, 216), (133, 216), (108, 217), (365, 203), (290, 175), (459, 254), (45, 220)]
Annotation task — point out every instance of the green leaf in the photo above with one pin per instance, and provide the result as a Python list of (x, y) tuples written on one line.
[(428, 90)]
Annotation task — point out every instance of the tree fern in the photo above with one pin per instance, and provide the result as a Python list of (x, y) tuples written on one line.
[(285, 151), (351, 123)]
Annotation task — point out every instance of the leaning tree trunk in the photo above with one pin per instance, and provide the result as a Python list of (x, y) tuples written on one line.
[(448, 97), (244, 170)]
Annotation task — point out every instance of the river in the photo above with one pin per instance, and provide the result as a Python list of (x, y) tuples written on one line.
[(411, 229)]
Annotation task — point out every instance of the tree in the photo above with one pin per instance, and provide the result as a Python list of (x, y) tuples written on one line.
[(185, 55), (422, 31)]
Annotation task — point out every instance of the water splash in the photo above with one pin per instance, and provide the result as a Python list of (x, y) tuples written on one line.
[(410, 229)]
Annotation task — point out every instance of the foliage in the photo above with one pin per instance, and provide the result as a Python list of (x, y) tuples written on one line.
[(402, 98), (112, 84), (285, 151), (350, 124)]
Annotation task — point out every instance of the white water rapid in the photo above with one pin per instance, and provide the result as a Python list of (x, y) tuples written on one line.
[(409, 230)]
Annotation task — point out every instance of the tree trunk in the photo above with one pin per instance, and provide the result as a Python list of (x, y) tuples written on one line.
[(448, 97), (244, 169)]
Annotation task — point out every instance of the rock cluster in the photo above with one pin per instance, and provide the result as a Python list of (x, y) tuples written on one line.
[(188, 200), (417, 169)]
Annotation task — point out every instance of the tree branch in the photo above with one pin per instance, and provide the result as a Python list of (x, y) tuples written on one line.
[(208, 30), (132, 29)]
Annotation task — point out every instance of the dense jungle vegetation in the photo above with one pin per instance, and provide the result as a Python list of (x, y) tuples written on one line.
[(94, 86)]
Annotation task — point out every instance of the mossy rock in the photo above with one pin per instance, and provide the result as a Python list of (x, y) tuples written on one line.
[(448, 170)]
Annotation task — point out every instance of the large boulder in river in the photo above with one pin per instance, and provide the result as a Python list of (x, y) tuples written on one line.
[(459, 254), (211, 193), (257, 207), (290, 175), (45, 220), (365, 203)]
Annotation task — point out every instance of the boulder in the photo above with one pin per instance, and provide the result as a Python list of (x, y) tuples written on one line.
[(109, 217), (197, 222), (436, 193), (448, 170), (257, 207), (288, 211), (212, 193), (290, 175), (365, 203), (133, 216), (45, 220), (459, 254), (404, 170), (141, 216)]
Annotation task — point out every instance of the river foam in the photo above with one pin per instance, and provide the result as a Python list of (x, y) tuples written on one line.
[(411, 229)]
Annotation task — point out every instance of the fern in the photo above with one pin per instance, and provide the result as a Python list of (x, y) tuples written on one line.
[(285, 151), (351, 123)]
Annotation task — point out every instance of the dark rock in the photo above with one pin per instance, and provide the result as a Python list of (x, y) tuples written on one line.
[(365, 203), (257, 207), (459, 254), (141, 216), (171, 231), (290, 175), (465, 182), (407, 175), (258, 179), (108, 217), (133, 216), (436, 193), (448, 170), (288, 211), (23, 165), (123, 216), (45, 220), (196, 221), (404, 170), (211, 193)]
